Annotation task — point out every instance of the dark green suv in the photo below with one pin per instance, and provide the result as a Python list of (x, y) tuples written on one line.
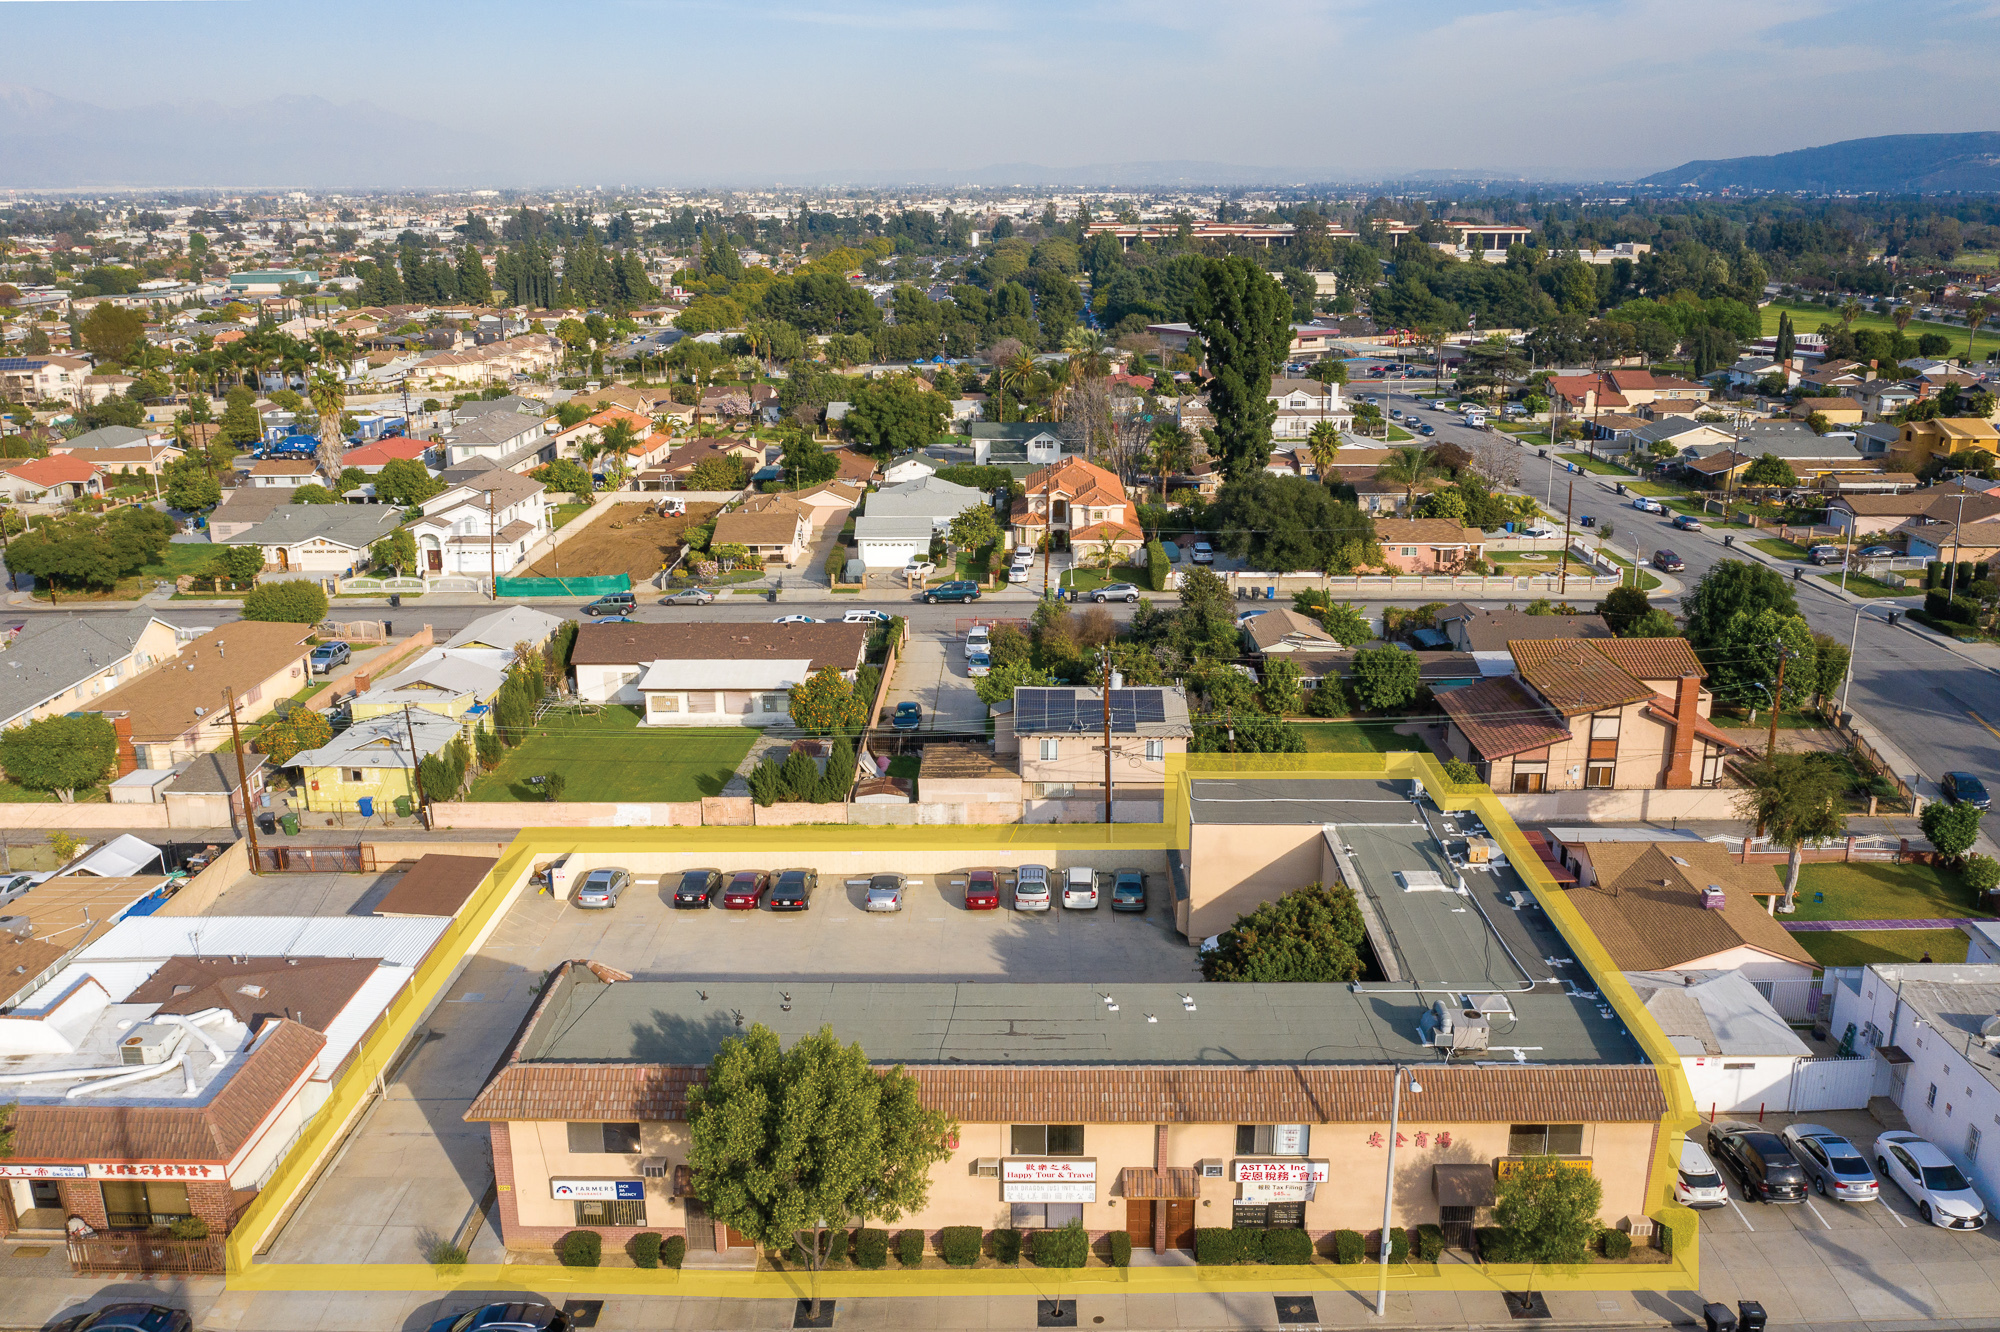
[(958, 591)]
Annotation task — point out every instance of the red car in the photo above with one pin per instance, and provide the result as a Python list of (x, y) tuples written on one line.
[(746, 890), (982, 891)]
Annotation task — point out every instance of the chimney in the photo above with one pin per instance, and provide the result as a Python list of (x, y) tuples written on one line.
[(361, 682), (128, 753), (1680, 763)]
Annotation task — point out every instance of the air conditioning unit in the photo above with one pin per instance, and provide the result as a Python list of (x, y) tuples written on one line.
[(1212, 1168), (653, 1167), (1455, 1029), (151, 1043), (987, 1167)]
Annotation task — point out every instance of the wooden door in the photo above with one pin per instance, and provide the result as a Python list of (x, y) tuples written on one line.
[(1139, 1222), (734, 1238), (435, 558), (1180, 1223)]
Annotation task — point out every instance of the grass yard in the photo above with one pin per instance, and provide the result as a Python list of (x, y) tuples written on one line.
[(181, 557), (907, 766), (564, 512), (1861, 585), (1784, 550), (1873, 890), (1808, 318), (1855, 948), (1732, 718), (1356, 737), (1089, 580), (604, 755), (1597, 466)]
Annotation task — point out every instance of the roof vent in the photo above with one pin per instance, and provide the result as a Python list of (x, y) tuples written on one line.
[(253, 991), (17, 928), (1989, 1032), (1712, 897)]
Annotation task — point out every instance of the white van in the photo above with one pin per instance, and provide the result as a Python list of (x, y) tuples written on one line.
[(1080, 889), (1698, 1185)]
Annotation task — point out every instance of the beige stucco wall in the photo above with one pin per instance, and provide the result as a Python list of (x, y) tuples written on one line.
[(1080, 760), (1644, 750), (541, 1153), (1233, 868)]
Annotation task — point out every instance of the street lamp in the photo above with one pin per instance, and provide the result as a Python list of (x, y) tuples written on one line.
[(1389, 1182)]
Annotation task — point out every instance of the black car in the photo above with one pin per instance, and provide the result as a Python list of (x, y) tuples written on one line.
[(521, 1317), (793, 890), (697, 887), (1962, 788), (611, 603), (1764, 1167), (134, 1318)]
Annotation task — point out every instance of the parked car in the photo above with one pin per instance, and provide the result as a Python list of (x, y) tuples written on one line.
[(795, 619), (1962, 788), (689, 596), (1203, 553), (978, 638), (611, 603), (794, 890), (1018, 573), (1764, 1168), (329, 655), (1833, 1164), (1426, 430), (1668, 562), (1879, 552), (1698, 1185), (1031, 888), (908, 716), (885, 893), (617, 619), (982, 891), (601, 889), (864, 617), (1943, 1195), (1687, 522), (1126, 592), (958, 590), (746, 890), (1128, 890), (978, 662), (1824, 554), (1645, 505), (526, 1316), (138, 1318), (1080, 889), (697, 887)]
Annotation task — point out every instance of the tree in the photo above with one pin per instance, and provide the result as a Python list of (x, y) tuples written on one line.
[(239, 564), (975, 528), (1622, 608), (1278, 691), (564, 477), (312, 494), (1728, 587), (1770, 472), (405, 482), (1283, 523), (398, 551), (1312, 934), (1324, 444), (292, 601), (109, 331), (1745, 668), (719, 473), (784, 1143), (329, 400), (1952, 829), (1797, 798), (1655, 623), (299, 730), (240, 423), (190, 486), (1244, 321), (61, 754), (896, 415), (1409, 467), (1386, 677), (1548, 1207), (826, 702), (807, 464), (998, 685)]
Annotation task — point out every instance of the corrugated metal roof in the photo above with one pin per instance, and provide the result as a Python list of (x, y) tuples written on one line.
[(402, 941)]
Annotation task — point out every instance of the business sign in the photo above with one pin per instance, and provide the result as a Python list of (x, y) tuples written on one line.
[(153, 1170), (619, 1190), (1287, 1191), (12, 1171), (1046, 1181), (1280, 1172), (1507, 1165), (1048, 1193)]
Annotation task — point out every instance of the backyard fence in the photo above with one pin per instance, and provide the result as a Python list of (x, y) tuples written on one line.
[(312, 859)]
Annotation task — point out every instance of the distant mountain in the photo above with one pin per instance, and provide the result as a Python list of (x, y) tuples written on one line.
[(1033, 175), (1892, 164)]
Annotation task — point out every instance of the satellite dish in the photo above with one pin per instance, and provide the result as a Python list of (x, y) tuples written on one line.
[(284, 707)]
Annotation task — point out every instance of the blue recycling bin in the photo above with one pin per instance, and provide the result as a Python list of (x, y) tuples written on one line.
[(367, 806)]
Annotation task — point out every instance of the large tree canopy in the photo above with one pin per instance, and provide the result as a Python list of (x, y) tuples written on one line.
[(1286, 523), (1244, 321)]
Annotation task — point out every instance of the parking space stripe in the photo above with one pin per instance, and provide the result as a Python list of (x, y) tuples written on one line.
[(1816, 1212), (1739, 1212)]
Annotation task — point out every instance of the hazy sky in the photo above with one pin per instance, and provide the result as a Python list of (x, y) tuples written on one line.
[(639, 91)]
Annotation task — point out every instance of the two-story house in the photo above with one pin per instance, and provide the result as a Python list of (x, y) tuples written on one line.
[(1058, 738), (1943, 436), (1077, 506), (482, 525), (1305, 403), (513, 441), (283, 473)]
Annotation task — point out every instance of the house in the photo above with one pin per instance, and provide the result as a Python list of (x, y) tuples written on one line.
[(1738, 1052), (182, 706), (1428, 545), (925, 497), (1590, 394), (50, 480), (1305, 403), (823, 502), (1014, 443), (1058, 735), (1841, 410), (43, 378), (507, 438), (1284, 631), (1943, 436), (1872, 515), (371, 760), (682, 462), (1479, 629), (483, 525), (571, 443), (109, 437), (1721, 470), (503, 628), (1590, 714), (884, 542), (58, 665), (373, 457), (705, 674), (912, 468), (284, 473), (242, 509), (1077, 506), (320, 538), (776, 533)]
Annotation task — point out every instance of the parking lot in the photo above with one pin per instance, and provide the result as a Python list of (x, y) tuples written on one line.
[(932, 675), (1824, 1262)]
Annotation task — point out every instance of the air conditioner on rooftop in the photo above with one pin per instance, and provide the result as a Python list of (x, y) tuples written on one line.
[(151, 1043)]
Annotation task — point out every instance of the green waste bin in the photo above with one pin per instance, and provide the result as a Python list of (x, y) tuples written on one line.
[(291, 825), (402, 807)]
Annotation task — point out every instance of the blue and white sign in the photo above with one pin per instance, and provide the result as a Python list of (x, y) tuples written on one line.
[(620, 1190)]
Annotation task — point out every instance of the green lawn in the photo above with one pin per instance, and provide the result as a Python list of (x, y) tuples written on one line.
[(1597, 466), (564, 512), (181, 557), (907, 766), (1355, 737), (1784, 550), (1808, 318), (1088, 580), (1873, 890), (606, 756), (1399, 435), (1647, 580), (1861, 585), (1855, 948), (1732, 718)]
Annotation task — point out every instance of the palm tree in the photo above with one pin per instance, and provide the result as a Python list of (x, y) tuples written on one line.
[(1014, 373), (1408, 467), (328, 395), (615, 439), (1904, 314), (1324, 441), (1975, 315), (1798, 798), (1850, 312)]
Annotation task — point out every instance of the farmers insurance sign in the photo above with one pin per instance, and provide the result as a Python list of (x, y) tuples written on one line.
[(629, 1190), (1046, 1181)]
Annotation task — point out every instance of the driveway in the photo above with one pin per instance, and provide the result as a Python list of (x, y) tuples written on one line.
[(932, 673)]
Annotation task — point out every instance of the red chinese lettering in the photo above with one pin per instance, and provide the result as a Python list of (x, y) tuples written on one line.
[(1374, 1140), (1444, 1139), (1423, 1140), (1402, 1140)]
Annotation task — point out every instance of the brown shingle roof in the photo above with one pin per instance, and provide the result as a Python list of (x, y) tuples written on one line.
[(1491, 630), (768, 527), (437, 885), (1426, 532), (1500, 718), (242, 656), (1646, 909), (311, 990), (1574, 676), (837, 645)]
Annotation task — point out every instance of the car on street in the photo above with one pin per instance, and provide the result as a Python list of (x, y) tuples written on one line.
[(697, 888), (793, 890), (1668, 562), (1698, 1185), (1645, 504), (1833, 1164), (689, 596), (1824, 554), (1426, 430), (1764, 1168), (523, 1316), (1080, 889), (1687, 522), (1125, 592), (746, 890), (617, 619), (1943, 1195), (1031, 888), (329, 655), (601, 888), (864, 617), (885, 892), (982, 891), (136, 1318), (1879, 552), (1963, 788), (957, 590), (907, 716), (795, 619), (1203, 553), (1128, 890), (611, 603)]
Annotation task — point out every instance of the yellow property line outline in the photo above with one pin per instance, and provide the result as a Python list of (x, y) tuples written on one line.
[(508, 878)]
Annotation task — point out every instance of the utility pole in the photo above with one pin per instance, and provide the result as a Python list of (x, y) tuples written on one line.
[(1958, 525), (243, 782), (416, 771), (492, 560), (1852, 640), (1389, 1183), (1048, 528), (1562, 565), (1107, 734)]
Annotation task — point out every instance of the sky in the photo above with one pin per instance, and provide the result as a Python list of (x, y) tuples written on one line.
[(507, 93)]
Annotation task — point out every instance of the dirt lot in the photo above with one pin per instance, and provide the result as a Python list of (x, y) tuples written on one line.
[(629, 541)]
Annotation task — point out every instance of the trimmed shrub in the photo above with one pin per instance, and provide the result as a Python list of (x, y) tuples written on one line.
[(1007, 1246), (1068, 1246), (1430, 1243), (1933, 575), (1156, 566), (1399, 1245), (1222, 1246), (959, 1245), (910, 1248), (1285, 1245), (1349, 1247), (871, 1249), (194, 1228), (836, 1246), (673, 1251), (1121, 1248), (644, 1249), (1495, 1245), (294, 601), (580, 1248), (1617, 1244)]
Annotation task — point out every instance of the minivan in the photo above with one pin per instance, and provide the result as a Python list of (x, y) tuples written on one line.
[(1031, 888), (1080, 889), (1824, 554), (612, 603), (1699, 1184)]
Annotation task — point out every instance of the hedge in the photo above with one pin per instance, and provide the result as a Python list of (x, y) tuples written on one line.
[(1121, 1248), (1617, 1244), (1430, 1243), (1495, 1245), (836, 563), (1399, 1245), (1007, 1246), (871, 1249), (1068, 1246), (960, 1245), (910, 1248), (580, 1248), (1349, 1247), (644, 1249), (1287, 1246), (1156, 566), (673, 1251)]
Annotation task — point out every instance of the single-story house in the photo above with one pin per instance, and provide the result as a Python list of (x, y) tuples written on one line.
[(58, 665), (371, 759), (892, 542), (320, 538), (180, 707), (925, 497), (775, 534), (1284, 631), (706, 674), (1738, 1052), (284, 473), (50, 480), (1428, 545)]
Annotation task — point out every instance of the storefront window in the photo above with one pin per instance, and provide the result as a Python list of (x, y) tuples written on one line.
[(1273, 1139), (1046, 1216), (131, 1205), (605, 1212), (1545, 1140), (618, 1139)]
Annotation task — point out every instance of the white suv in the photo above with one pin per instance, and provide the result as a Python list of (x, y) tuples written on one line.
[(1080, 889), (1031, 888)]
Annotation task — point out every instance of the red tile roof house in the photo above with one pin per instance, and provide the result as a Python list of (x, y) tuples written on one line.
[(372, 458), (1428, 545), (60, 476)]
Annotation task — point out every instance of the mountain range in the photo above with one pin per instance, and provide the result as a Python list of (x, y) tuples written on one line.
[(1891, 164)]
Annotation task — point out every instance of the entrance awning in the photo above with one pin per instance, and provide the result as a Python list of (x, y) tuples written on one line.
[(1463, 1185), (1143, 1182), (1893, 1054)]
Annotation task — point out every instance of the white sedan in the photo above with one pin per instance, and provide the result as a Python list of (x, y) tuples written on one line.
[(1943, 1195), (795, 619)]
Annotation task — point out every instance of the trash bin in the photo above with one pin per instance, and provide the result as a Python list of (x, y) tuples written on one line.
[(291, 825), (267, 824), (395, 599), (1750, 1316), (388, 629), (1621, 487), (402, 807), (1718, 1318), (366, 804)]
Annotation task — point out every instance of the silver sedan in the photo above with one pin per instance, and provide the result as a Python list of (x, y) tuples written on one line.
[(885, 892)]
